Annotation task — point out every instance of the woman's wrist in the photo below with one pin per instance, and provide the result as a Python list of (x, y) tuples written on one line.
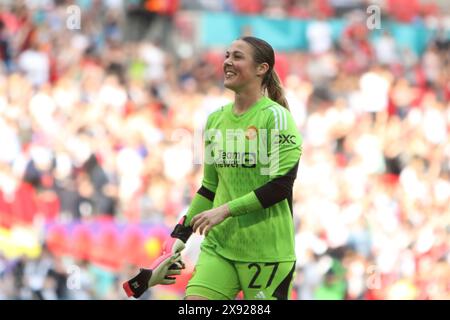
[(226, 210)]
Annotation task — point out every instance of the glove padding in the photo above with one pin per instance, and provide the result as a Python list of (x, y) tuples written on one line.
[(161, 272), (178, 237)]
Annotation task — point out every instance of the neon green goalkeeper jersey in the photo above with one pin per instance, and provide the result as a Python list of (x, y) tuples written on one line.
[(250, 162)]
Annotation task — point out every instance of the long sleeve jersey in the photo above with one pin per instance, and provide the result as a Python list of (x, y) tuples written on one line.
[(250, 163)]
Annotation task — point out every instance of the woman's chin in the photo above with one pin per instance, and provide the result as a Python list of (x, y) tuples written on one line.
[(229, 85)]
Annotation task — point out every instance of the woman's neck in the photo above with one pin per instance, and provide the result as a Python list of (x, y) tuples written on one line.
[(244, 100)]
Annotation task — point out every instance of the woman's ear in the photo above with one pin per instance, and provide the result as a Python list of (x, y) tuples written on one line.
[(262, 69)]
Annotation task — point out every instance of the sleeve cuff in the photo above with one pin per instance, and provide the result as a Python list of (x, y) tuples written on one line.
[(245, 204), (199, 204)]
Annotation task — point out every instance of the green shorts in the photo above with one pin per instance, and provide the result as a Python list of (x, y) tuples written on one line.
[(218, 278)]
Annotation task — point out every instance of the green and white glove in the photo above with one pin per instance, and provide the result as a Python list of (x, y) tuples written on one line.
[(161, 272)]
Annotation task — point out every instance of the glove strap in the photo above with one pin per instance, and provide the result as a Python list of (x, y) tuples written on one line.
[(181, 232), (136, 286)]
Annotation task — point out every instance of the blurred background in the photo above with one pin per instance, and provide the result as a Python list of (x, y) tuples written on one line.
[(98, 117)]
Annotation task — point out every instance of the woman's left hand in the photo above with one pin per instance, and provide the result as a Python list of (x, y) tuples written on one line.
[(203, 222)]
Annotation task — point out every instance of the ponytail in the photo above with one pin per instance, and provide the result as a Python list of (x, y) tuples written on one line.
[(263, 53), (274, 89)]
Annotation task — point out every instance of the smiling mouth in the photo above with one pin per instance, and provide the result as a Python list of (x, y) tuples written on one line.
[(229, 74)]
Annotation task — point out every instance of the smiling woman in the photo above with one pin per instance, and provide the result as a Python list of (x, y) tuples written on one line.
[(245, 55), (245, 211)]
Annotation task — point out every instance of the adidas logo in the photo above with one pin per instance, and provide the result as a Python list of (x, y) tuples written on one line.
[(260, 295)]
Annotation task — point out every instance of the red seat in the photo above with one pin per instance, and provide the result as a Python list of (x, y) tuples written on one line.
[(81, 242), (132, 245), (57, 239), (6, 218), (106, 250)]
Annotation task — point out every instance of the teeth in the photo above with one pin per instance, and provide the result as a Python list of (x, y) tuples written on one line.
[(229, 74)]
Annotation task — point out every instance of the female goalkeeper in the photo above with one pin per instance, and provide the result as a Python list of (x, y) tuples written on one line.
[(244, 205)]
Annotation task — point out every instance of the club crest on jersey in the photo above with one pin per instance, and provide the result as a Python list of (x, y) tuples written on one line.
[(251, 133)]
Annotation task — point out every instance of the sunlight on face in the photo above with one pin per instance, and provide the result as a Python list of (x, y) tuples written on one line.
[(239, 67)]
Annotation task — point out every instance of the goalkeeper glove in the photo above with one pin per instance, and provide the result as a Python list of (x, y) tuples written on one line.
[(179, 237), (161, 272)]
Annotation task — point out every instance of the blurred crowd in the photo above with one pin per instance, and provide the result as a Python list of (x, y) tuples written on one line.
[(401, 10), (103, 122)]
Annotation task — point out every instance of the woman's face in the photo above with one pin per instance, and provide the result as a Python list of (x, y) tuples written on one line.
[(239, 67)]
